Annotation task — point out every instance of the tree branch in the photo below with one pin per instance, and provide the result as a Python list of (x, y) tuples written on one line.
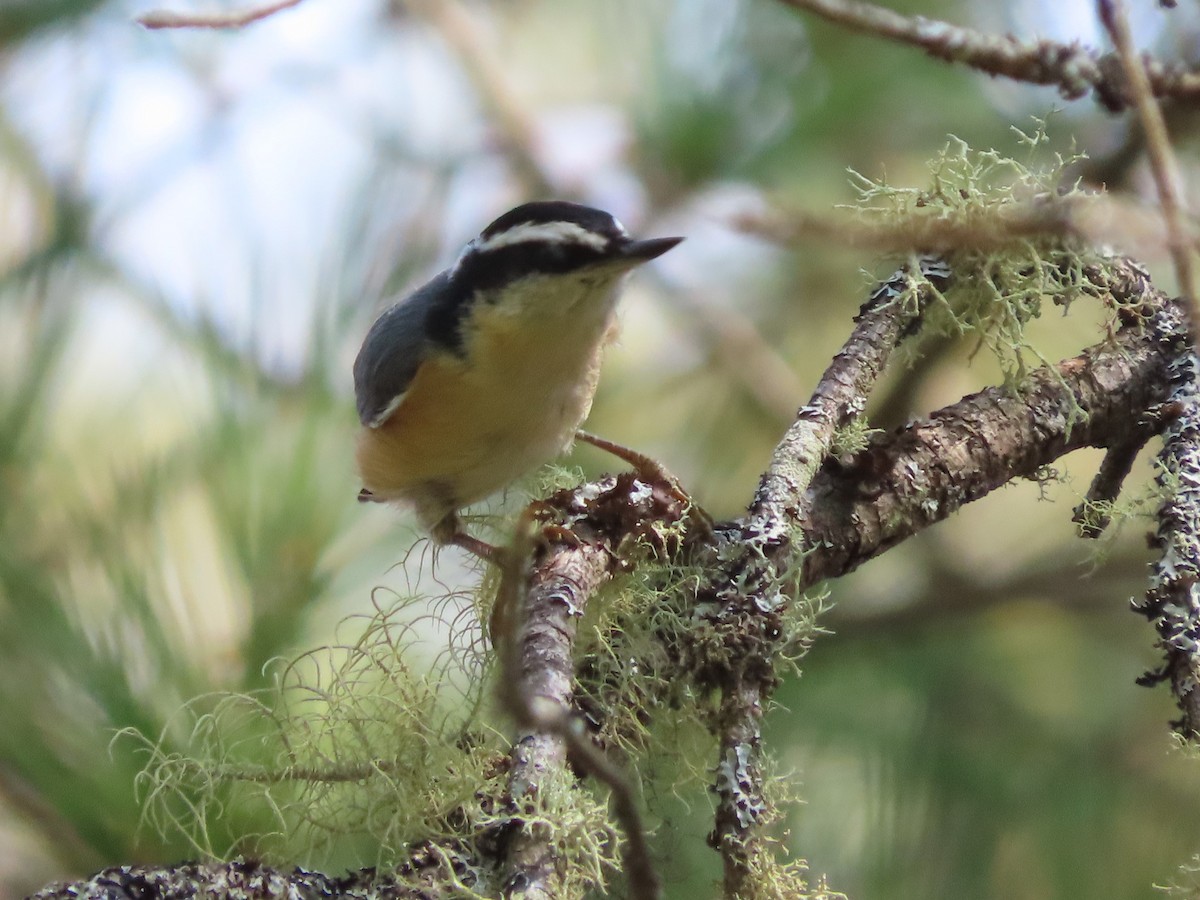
[(934, 233), (251, 879), (537, 688), (1072, 68), (1172, 603), (744, 595), (539, 610), (905, 481), (163, 18), (840, 396)]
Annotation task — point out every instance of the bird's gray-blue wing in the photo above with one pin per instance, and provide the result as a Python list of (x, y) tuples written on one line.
[(392, 352)]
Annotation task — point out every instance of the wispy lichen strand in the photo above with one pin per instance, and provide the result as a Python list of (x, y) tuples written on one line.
[(357, 759)]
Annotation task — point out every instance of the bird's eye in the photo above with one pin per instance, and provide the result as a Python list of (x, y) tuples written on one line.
[(554, 250)]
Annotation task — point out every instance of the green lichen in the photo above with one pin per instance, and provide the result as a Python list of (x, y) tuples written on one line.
[(351, 749), (770, 878), (771, 875), (355, 757), (852, 438), (649, 662), (628, 681), (1016, 248)]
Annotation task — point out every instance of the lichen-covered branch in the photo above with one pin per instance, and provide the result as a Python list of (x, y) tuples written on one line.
[(841, 395), (250, 880), (540, 609), (906, 481), (746, 594), (537, 685), (1172, 602), (1072, 68)]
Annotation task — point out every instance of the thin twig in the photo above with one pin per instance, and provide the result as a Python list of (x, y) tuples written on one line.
[(162, 18), (1093, 515), (1072, 68), (1158, 147), (461, 32)]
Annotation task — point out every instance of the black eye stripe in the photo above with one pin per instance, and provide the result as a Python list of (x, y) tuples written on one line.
[(502, 265), (492, 269)]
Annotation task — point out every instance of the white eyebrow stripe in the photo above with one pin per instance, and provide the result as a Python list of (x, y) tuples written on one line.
[(386, 413), (550, 232)]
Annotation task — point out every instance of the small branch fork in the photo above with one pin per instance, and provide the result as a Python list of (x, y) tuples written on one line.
[(745, 595), (907, 480), (829, 517), (813, 519), (1072, 68)]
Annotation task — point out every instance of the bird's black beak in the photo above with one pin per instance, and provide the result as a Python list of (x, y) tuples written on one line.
[(644, 251)]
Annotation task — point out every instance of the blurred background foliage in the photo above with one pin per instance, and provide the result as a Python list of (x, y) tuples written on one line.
[(198, 228)]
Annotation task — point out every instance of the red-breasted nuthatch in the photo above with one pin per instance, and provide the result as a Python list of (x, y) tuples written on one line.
[(485, 372)]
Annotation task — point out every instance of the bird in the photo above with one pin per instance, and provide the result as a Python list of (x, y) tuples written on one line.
[(487, 371)]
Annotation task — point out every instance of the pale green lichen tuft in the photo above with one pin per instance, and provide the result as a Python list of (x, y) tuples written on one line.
[(647, 659), (575, 821), (351, 753), (852, 438), (552, 478), (1027, 251)]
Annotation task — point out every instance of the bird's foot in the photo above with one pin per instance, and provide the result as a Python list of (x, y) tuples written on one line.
[(649, 470), (450, 531)]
